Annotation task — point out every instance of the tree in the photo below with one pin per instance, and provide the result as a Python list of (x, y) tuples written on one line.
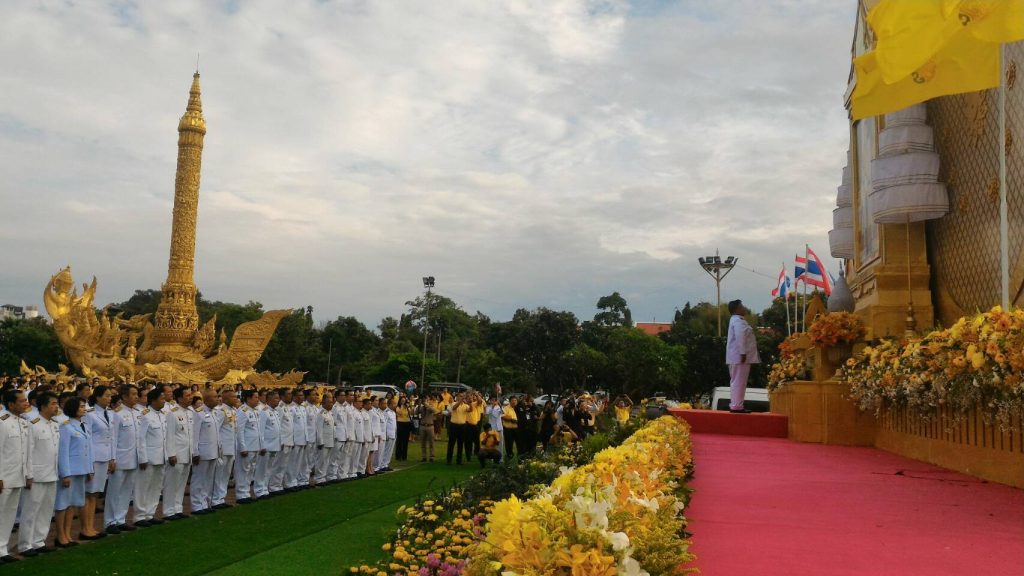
[(642, 364), (613, 311), (349, 342), (535, 341), (32, 340)]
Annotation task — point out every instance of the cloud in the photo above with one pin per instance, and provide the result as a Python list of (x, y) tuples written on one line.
[(525, 153)]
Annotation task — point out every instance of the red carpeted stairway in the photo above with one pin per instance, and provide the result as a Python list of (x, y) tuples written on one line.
[(772, 507)]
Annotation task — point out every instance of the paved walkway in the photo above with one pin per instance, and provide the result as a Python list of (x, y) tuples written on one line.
[(772, 507)]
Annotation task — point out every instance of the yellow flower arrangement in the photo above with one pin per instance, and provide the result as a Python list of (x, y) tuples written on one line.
[(620, 514), (836, 328), (976, 363), (791, 365)]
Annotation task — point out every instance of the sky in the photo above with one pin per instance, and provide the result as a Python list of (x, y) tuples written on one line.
[(524, 153)]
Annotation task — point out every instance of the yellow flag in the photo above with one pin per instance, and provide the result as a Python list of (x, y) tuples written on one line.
[(908, 33), (963, 65)]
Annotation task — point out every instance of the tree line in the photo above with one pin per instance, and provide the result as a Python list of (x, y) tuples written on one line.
[(539, 350)]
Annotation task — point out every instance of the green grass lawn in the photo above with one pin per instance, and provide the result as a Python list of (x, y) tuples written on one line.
[(320, 531)]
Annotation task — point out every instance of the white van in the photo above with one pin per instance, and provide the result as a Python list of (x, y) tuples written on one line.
[(755, 399)]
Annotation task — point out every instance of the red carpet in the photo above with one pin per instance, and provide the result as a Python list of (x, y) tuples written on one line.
[(722, 422), (770, 507)]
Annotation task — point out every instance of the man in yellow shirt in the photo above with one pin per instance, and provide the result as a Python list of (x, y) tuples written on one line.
[(510, 426), (457, 420), (489, 441), (472, 430)]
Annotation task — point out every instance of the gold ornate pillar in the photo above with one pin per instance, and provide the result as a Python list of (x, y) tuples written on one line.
[(176, 320)]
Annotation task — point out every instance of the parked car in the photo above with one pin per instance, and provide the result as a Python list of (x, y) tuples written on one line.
[(517, 395), (379, 390), (451, 387), (755, 399), (543, 399)]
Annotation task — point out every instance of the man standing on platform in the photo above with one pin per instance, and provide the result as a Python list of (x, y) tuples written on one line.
[(740, 353)]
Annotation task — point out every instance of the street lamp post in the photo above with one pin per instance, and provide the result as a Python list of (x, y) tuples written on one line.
[(428, 283), (718, 269)]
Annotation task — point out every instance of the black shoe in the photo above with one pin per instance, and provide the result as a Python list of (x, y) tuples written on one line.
[(30, 553), (96, 536), (143, 524), (156, 521), (8, 559), (222, 506), (113, 530), (243, 501), (59, 545), (740, 411), (46, 549), (126, 528), (202, 512)]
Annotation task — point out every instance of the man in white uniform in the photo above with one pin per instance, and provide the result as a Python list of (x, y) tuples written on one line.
[(206, 436), (390, 436), (37, 503), (224, 416), (179, 449), (129, 454), (15, 463), (249, 445), (740, 353), (325, 438), (270, 431), (296, 463), (336, 470), (150, 478), (279, 475), (311, 409)]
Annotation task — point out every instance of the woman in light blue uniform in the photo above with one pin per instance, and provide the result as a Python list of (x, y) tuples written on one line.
[(74, 468)]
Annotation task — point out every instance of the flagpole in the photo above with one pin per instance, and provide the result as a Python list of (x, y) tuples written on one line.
[(1004, 222), (789, 330), (807, 269)]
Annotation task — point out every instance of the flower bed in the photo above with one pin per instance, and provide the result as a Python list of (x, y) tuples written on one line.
[(835, 329), (791, 365), (976, 363), (618, 511)]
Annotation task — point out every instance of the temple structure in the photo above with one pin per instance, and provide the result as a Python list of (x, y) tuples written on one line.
[(917, 216)]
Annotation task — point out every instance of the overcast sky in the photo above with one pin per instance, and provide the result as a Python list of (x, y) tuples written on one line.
[(525, 153)]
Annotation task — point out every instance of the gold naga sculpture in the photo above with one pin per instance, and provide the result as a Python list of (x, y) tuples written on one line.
[(170, 346)]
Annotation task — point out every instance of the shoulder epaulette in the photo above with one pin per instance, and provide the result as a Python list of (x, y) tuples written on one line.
[(175, 409), (90, 408), (145, 411), (5, 417), (65, 423), (36, 419)]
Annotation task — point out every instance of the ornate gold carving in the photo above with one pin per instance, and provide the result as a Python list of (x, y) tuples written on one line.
[(1011, 74), (171, 346)]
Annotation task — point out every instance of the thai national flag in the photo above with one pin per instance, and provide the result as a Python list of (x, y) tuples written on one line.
[(782, 287), (812, 272)]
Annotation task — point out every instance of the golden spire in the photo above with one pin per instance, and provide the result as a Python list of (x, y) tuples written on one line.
[(177, 321)]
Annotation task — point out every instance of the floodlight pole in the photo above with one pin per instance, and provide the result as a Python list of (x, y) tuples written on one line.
[(718, 270), (428, 283)]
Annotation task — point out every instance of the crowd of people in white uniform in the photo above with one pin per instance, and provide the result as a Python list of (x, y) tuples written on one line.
[(136, 449)]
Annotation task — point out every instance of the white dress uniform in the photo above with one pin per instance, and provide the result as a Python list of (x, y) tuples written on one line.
[(15, 470), (312, 412), (178, 431), (740, 341), (149, 482), (294, 470), (129, 453), (325, 440), (226, 421), (248, 445), (37, 503), (335, 470), (207, 446), (277, 475), (355, 444), (390, 437), (377, 444), (270, 432), (102, 428), (368, 438)]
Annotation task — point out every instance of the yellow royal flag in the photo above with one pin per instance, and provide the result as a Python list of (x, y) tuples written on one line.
[(963, 65), (909, 33)]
